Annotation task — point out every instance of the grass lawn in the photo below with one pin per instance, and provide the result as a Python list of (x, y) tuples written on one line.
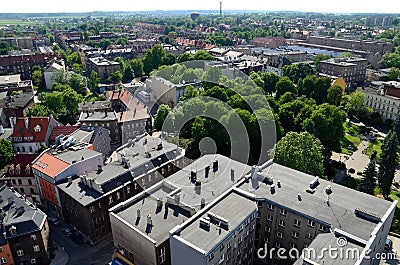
[(374, 145), (351, 128), (349, 140)]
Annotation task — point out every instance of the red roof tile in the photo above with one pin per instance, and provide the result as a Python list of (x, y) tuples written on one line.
[(21, 130), (64, 130), (50, 165)]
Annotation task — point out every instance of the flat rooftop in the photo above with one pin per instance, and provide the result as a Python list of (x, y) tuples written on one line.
[(71, 156), (178, 185), (339, 213), (97, 116), (234, 208)]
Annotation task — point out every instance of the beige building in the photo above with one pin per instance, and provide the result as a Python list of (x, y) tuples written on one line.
[(383, 98), (102, 67)]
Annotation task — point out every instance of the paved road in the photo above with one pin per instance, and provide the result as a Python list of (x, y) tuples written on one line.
[(83, 254), (393, 254)]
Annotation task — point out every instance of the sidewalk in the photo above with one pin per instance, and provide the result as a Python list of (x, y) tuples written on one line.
[(61, 258)]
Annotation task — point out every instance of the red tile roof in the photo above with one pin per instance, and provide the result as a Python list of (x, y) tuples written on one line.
[(23, 160), (136, 109), (21, 130), (64, 130), (50, 165)]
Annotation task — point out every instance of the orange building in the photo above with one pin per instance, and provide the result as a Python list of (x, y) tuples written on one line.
[(48, 191), (5, 253)]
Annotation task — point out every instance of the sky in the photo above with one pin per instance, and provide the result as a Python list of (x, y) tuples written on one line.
[(335, 6)]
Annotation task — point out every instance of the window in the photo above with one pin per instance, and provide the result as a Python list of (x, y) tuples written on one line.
[(22, 190), (91, 209), (228, 245), (271, 206), (293, 245), (33, 261), (269, 217), (20, 182), (33, 237), (36, 248), (221, 259), (279, 234), (118, 195), (128, 189), (110, 199), (322, 228), (281, 223), (29, 182), (20, 252), (283, 211), (309, 235), (311, 223), (3, 260), (162, 254), (268, 229), (210, 257), (295, 234), (296, 223)]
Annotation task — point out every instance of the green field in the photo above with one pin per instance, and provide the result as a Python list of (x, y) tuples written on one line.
[(14, 22), (374, 145)]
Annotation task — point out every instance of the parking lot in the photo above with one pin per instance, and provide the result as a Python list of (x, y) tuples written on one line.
[(80, 253)]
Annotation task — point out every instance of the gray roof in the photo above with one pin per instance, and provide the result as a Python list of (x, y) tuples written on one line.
[(234, 208), (70, 156), (97, 116), (28, 220), (190, 197), (330, 241), (123, 167), (20, 100), (338, 213)]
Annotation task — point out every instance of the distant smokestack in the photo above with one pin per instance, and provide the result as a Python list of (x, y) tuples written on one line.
[(220, 8)]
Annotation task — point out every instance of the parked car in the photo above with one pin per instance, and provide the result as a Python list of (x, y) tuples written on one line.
[(76, 237), (67, 231), (388, 244), (55, 221)]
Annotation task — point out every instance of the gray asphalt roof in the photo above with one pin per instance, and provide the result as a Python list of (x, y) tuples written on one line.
[(234, 208), (339, 213), (69, 156), (321, 256), (27, 221), (97, 116), (190, 198), (163, 221)]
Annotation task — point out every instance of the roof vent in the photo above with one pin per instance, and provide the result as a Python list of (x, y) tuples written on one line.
[(69, 180), (138, 214), (205, 223), (299, 197), (328, 189), (373, 217), (215, 166), (273, 188), (232, 174), (207, 171), (278, 183), (314, 183), (149, 220), (10, 200), (203, 203)]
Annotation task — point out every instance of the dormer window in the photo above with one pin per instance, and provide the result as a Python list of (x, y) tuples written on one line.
[(13, 230), (38, 128), (11, 170)]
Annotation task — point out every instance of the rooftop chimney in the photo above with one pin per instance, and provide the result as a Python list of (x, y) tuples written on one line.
[(299, 197), (69, 180), (232, 174), (206, 171), (149, 220), (203, 203), (138, 214), (215, 165), (10, 200)]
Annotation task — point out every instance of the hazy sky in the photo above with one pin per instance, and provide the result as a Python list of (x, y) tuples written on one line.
[(342, 6)]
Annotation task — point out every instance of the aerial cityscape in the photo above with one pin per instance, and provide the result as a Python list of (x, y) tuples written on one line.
[(215, 132)]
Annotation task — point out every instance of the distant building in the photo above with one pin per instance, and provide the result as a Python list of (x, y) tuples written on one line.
[(22, 64), (86, 198), (352, 70), (268, 42), (22, 42), (194, 15), (10, 83), (25, 231), (21, 178), (56, 65), (94, 138), (30, 134), (15, 105), (384, 98), (103, 67)]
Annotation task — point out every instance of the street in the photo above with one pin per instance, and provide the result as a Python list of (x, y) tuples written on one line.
[(83, 254), (392, 252)]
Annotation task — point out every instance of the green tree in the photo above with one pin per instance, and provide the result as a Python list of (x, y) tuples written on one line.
[(334, 95), (71, 99), (137, 67), (388, 163), (73, 58), (4, 48), (54, 101), (169, 59), (77, 68), (78, 83), (319, 58), (154, 58), (369, 177), (39, 110), (348, 55), (161, 115), (128, 74), (390, 60), (396, 126), (37, 78), (300, 151), (190, 92), (94, 81), (104, 43), (203, 55), (6, 152), (270, 80), (116, 77), (328, 125), (394, 74), (285, 85), (184, 57), (297, 71), (354, 102)]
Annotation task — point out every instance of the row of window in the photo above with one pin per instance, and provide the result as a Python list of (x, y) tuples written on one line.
[(14, 181)]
